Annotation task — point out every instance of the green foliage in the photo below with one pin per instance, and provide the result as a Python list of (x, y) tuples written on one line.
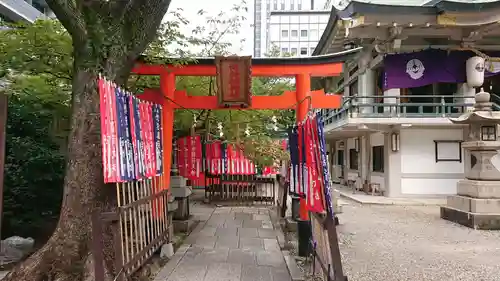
[(36, 63), (34, 168)]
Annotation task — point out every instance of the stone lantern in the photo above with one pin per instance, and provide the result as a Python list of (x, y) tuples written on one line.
[(477, 203)]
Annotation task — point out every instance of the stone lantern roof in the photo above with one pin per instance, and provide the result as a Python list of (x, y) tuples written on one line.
[(482, 111)]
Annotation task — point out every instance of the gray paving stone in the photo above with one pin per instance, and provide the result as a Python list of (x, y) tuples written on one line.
[(274, 259), (240, 256), (206, 257), (252, 244), (231, 223), (264, 211), (230, 242), (193, 252), (252, 224), (248, 232), (271, 245), (280, 274), (256, 273), (267, 233), (222, 210), (224, 231), (267, 225), (204, 241), (188, 272), (223, 272), (207, 231), (243, 216), (261, 217), (216, 222), (251, 210)]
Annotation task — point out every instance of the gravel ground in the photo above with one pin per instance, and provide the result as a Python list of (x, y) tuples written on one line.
[(399, 243)]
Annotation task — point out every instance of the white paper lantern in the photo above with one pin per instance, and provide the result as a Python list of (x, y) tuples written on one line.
[(475, 71)]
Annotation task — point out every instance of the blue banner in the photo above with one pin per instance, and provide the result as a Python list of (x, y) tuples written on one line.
[(139, 143), (324, 164), (303, 166), (158, 138), (294, 159), (121, 135), (129, 149)]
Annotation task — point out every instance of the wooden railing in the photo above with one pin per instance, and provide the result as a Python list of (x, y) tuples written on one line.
[(139, 226)]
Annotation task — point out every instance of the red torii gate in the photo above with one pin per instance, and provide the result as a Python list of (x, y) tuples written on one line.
[(302, 69)]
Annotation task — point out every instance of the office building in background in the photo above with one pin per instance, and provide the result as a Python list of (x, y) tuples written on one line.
[(293, 27), (24, 10)]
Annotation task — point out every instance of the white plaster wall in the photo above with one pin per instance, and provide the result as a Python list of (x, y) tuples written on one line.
[(377, 139), (417, 150), (433, 186), (378, 178)]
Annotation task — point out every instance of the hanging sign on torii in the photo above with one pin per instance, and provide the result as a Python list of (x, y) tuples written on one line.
[(234, 81)]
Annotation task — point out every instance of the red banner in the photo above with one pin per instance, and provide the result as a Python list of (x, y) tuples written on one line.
[(189, 157), (113, 134), (314, 199)]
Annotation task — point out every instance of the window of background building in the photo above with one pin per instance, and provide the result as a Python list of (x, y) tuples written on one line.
[(340, 157), (303, 51), (292, 5), (353, 159), (282, 5), (275, 4), (299, 5), (312, 51), (378, 158), (303, 33), (284, 51), (268, 5), (295, 33), (294, 51), (284, 33), (313, 33)]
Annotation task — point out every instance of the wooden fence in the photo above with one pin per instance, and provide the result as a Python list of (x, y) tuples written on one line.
[(240, 188), (140, 226), (325, 246)]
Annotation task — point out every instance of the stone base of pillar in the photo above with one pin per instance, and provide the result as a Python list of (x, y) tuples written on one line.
[(184, 226), (472, 220), (477, 205), (479, 189), (182, 212)]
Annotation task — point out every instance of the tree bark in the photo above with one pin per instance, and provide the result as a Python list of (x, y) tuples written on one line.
[(107, 38)]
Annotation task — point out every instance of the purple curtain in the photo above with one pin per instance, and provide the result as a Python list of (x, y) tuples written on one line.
[(426, 67)]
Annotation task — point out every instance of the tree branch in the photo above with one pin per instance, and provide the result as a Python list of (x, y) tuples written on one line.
[(70, 17), (141, 22)]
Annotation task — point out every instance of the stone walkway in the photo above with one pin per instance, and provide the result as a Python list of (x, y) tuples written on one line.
[(234, 243)]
